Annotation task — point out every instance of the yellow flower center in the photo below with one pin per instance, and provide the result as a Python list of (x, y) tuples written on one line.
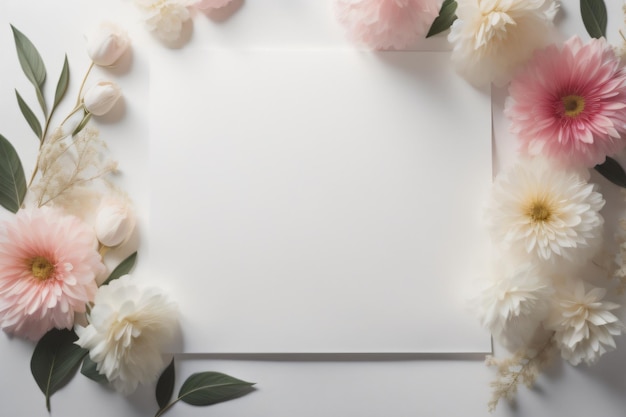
[(41, 268), (573, 105), (539, 212)]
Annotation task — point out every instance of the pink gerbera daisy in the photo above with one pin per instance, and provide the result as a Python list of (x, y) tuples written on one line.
[(48, 268), (386, 24), (570, 103)]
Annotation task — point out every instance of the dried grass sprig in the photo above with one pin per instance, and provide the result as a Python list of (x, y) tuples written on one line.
[(68, 165), (522, 368)]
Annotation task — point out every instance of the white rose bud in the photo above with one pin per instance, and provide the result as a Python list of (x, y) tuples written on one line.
[(115, 222), (106, 44), (101, 98)]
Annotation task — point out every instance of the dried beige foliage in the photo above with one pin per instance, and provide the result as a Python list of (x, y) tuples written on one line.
[(68, 167), (522, 368)]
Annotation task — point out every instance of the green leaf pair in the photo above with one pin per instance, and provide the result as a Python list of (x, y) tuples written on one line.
[(13, 185), (200, 389)]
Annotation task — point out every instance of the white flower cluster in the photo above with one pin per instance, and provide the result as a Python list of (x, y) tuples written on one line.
[(548, 226)]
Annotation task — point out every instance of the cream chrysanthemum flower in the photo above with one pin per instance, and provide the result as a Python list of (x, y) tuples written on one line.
[(513, 305), (547, 214), (492, 38), (584, 325), (165, 17), (129, 327)]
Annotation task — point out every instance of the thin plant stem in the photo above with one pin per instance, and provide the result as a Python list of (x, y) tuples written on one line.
[(48, 120)]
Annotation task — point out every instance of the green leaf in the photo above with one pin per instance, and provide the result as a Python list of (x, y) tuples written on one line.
[(123, 268), (28, 114), (82, 124), (29, 58), (612, 171), (206, 388), (64, 80), (55, 360), (89, 370), (445, 19), (31, 64), (165, 386), (12, 180), (594, 17)]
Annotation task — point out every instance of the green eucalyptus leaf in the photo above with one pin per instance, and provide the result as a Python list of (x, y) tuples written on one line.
[(12, 180), (123, 268), (89, 369), (82, 124), (29, 58), (55, 360), (64, 80), (206, 388), (31, 64), (445, 19), (594, 17), (28, 114), (165, 385), (612, 171)]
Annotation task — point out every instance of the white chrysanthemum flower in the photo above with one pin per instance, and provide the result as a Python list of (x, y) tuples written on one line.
[(513, 305), (492, 38), (129, 327), (165, 17), (584, 325), (544, 213)]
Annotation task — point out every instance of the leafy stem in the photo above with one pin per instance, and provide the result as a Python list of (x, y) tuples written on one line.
[(76, 108)]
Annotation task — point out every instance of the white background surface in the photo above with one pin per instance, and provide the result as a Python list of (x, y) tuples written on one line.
[(315, 220), (288, 385)]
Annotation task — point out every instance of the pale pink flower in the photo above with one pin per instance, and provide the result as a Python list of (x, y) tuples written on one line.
[(48, 268), (569, 103), (387, 24)]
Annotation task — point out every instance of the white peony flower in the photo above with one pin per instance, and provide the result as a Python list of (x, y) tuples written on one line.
[(115, 221), (128, 329), (101, 97), (165, 17), (513, 305), (584, 325), (544, 213), (492, 38), (106, 44)]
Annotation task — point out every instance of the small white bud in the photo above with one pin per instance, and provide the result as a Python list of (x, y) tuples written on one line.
[(115, 222), (106, 44), (101, 97)]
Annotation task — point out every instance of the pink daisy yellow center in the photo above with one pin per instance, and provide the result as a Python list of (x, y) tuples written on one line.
[(573, 105), (41, 268)]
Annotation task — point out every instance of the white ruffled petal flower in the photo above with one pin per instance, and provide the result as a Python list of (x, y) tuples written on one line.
[(514, 303), (165, 17), (546, 214), (129, 328), (492, 38), (584, 324)]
